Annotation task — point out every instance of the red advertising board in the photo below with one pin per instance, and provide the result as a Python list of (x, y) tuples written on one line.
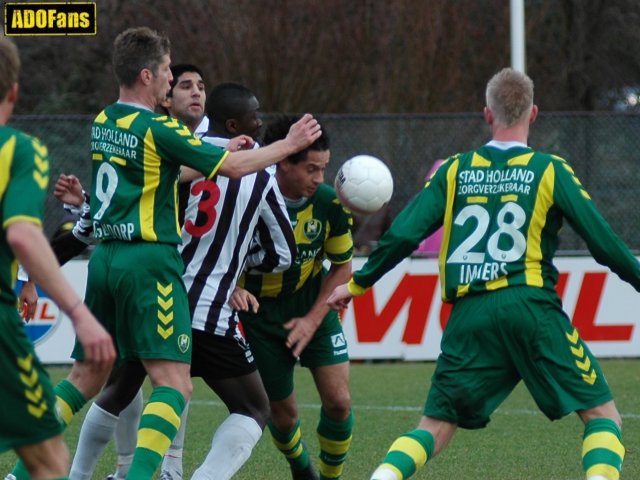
[(402, 317)]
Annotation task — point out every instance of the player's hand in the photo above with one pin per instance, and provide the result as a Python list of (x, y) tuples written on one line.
[(301, 331), (68, 189), (339, 298), (28, 299), (241, 142), (96, 342), (304, 132), (242, 300)]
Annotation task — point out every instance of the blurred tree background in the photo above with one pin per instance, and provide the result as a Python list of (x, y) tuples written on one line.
[(355, 56)]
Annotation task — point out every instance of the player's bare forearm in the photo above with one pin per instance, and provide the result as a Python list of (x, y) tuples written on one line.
[(337, 275), (302, 134), (302, 329), (33, 251)]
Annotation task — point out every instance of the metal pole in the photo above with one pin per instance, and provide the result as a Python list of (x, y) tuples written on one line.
[(518, 52)]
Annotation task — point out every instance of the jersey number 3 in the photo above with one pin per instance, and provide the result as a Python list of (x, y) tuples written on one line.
[(206, 216)]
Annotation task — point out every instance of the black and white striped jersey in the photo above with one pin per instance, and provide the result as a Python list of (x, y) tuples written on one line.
[(225, 220)]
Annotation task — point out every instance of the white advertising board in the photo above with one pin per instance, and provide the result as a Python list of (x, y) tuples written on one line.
[(402, 317)]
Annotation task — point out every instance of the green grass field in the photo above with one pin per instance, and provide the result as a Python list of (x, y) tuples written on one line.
[(519, 443)]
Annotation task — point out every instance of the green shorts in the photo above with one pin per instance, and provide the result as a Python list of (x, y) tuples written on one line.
[(493, 340), (28, 402), (267, 336), (137, 293)]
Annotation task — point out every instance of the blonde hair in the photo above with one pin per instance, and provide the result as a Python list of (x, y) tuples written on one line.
[(509, 96), (9, 65)]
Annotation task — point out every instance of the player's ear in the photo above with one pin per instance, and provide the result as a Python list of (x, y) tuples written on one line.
[(146, 76), (12, 94), (534, 114), (488, 115), (231, 126), (284, 165)]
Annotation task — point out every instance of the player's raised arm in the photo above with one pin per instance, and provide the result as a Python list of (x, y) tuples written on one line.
[(302, 134)]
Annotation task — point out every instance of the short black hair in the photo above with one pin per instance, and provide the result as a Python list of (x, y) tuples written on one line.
[(278, 128), (177, 70), (227, 101)]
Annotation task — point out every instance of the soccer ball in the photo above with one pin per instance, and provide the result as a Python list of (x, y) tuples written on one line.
[(364, 184)]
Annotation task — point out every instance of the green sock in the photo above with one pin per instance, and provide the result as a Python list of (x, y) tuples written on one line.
[(69, 401), (335, 439), (291, 445), (407, 454), (158, 426), (602, 449)]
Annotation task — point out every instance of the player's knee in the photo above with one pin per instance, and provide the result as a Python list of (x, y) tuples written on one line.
[(284, 418), (337, 407), (88, 379)]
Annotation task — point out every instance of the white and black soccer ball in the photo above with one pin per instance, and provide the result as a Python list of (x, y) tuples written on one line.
[(364, 184)]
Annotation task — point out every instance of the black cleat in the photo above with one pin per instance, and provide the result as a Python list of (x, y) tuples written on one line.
[(306, 474)]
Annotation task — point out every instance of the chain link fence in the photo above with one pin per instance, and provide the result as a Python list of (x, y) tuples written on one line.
[(603, 148)]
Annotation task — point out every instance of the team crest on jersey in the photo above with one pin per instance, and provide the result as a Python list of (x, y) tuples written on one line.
[(46, 318), (183, 342), (312, 228)]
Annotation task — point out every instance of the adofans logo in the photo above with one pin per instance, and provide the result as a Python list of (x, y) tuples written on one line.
[(50, 18)]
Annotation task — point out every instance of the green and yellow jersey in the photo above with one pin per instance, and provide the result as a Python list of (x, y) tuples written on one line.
[(136, 156), (501, 209), (322, 229), (24, 178)]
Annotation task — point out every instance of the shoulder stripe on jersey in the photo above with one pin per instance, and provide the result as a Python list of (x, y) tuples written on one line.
[(101, 118), (125, 122), (479, 161), (544, 201), (151, 182), (520, 160), (448, 218)]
